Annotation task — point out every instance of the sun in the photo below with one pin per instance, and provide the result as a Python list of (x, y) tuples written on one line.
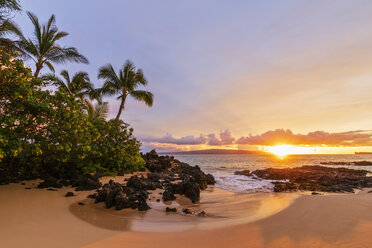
[(283, 150)]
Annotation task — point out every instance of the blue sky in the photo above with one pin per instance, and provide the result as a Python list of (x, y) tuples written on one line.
[(243, 66)]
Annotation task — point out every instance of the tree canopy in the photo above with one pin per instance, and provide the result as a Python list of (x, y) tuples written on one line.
[(61, 130), (53, 133)]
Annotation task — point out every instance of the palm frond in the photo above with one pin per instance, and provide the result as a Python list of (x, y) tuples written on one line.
[(50, 66), (59, 36), (43, 47), (11, 5), (96, 94), (97, 111), (56, 81), (108, 72), (27, 49), (101, 110), (7, 6), (51, 22), (109, 88), (61, 55), (90, 109), (143, 96), (9, 27), (66, 76), (35, 22), (140, 77)]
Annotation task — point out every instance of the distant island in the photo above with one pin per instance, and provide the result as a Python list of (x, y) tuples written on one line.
[(216, 151), (363, 153)]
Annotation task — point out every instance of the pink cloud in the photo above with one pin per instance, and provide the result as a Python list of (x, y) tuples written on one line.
[(169, 139), (286, 136), (269, 138), (225, 138)]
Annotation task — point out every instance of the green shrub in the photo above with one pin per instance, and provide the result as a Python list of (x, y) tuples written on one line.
[(44, 132)]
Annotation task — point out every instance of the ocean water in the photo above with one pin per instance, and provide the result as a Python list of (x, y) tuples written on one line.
[(222, 167)]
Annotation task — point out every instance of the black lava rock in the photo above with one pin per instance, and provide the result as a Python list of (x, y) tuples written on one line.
[(136, 183), (316, 178), (168, 209), (192, 191), (120, 197), (86, 182), (202, 214), (155, 163), (69, 194), (189, 189), (93, 196), (168, 195), (186, 211), (49, 182)]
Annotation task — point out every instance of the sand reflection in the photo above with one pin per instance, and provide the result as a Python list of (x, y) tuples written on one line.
[(223, 209)]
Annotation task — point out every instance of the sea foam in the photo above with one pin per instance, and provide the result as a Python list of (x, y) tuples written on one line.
[(241, 183)]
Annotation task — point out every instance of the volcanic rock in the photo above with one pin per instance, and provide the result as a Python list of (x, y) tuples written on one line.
[(316, 178), (168, 209), (69, 194)]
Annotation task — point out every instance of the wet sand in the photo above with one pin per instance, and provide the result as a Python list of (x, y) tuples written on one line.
[(311, 221), (223, 209), (42, 218)]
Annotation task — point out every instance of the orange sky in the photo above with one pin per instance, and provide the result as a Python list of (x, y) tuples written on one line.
[(279, 141)]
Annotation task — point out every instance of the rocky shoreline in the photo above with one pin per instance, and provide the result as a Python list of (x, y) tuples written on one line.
[(171, 178), (165, 173), (355, 163), (169, 175), (313, 178)]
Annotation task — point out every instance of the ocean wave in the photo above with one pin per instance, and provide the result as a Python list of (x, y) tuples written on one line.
[(242, 184)]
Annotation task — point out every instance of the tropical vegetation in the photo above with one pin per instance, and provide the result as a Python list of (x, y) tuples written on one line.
[(58, 126), (7, 26), (77, 86)]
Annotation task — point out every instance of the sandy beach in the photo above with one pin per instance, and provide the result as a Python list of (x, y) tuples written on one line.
[(42, 218)]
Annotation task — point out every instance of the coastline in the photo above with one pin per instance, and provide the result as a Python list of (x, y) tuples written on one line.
[(42, 218), (337, 220)]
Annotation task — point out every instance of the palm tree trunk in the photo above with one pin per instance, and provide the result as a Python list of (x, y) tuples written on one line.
[(38, 68), (121, 106)]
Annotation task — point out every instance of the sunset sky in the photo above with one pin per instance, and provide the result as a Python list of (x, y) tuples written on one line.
[(232, 74)]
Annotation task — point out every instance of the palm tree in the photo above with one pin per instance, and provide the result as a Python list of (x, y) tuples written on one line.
[(43, 47), (97, 111), (125, 84), (7, 26), (79, 86), (7, 6)]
